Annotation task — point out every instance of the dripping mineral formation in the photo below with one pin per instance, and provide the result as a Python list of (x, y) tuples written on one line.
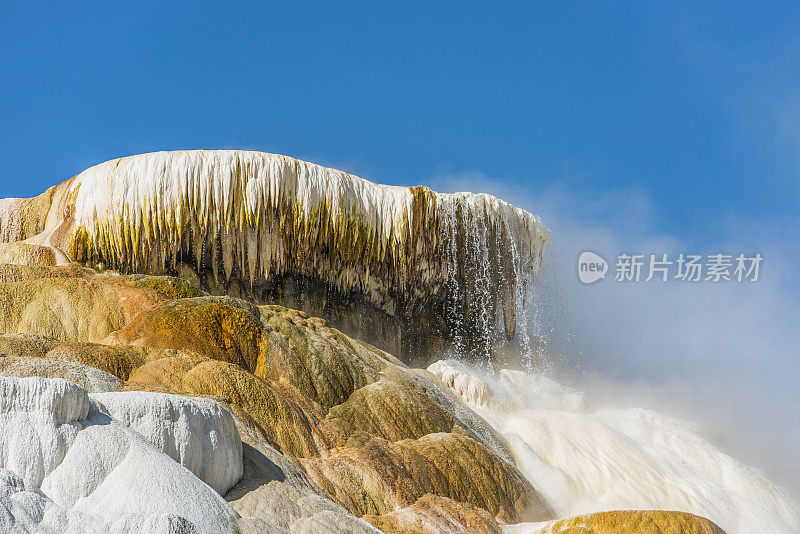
[(407, 269)]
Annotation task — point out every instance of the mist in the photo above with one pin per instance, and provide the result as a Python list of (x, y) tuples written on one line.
[(723, 356)]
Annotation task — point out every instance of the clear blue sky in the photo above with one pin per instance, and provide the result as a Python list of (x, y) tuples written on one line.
[(698, 105)]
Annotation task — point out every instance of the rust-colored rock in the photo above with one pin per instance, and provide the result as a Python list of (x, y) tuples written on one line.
[(432, 515), (218, 327), (375, 435), (629, 522)]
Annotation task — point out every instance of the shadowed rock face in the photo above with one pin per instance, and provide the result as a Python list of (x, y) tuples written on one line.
[(405, 268)]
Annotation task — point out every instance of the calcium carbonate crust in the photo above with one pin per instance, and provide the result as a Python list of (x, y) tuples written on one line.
[(257, 217), (68, 466)]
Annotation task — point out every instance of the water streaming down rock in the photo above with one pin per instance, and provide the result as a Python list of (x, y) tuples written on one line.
[(487, 278), (408, 269), (588, 461)]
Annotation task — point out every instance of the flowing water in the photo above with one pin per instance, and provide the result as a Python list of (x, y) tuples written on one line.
[(587, 460)]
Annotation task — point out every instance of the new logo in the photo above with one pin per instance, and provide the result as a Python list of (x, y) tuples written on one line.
[(591, 267)]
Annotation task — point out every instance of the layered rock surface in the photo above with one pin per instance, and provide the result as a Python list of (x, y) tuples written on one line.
[(405, 268), (334, 425), (238, 416)]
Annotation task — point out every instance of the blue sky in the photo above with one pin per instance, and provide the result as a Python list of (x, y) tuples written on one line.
[(699, 106)]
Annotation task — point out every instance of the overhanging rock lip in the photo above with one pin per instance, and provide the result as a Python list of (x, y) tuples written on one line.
[(251, 215)]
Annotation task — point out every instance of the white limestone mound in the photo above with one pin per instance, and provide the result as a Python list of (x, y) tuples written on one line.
[(198, 433), (23, 508), (89, 465), (91, 379)]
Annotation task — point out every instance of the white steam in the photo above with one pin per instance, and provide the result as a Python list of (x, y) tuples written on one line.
[(585, 461), (724, 356)]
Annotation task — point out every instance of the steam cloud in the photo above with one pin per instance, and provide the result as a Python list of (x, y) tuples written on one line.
[(723, 356)]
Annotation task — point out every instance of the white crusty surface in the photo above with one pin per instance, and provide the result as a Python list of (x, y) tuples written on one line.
[(253, 213), (198, 433), (254, 217), (39, 421), (85, 466)]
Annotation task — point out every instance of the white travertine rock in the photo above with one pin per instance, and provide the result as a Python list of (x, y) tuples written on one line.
[(197, 433), (86, 463), (252, 215), (23, 508), (466, 385), (512, 388), (91, 379), (39, 420)]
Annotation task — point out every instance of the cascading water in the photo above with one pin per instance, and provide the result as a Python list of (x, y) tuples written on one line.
[(488, 279), (452, 257), (585, 460), (467, 263)]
